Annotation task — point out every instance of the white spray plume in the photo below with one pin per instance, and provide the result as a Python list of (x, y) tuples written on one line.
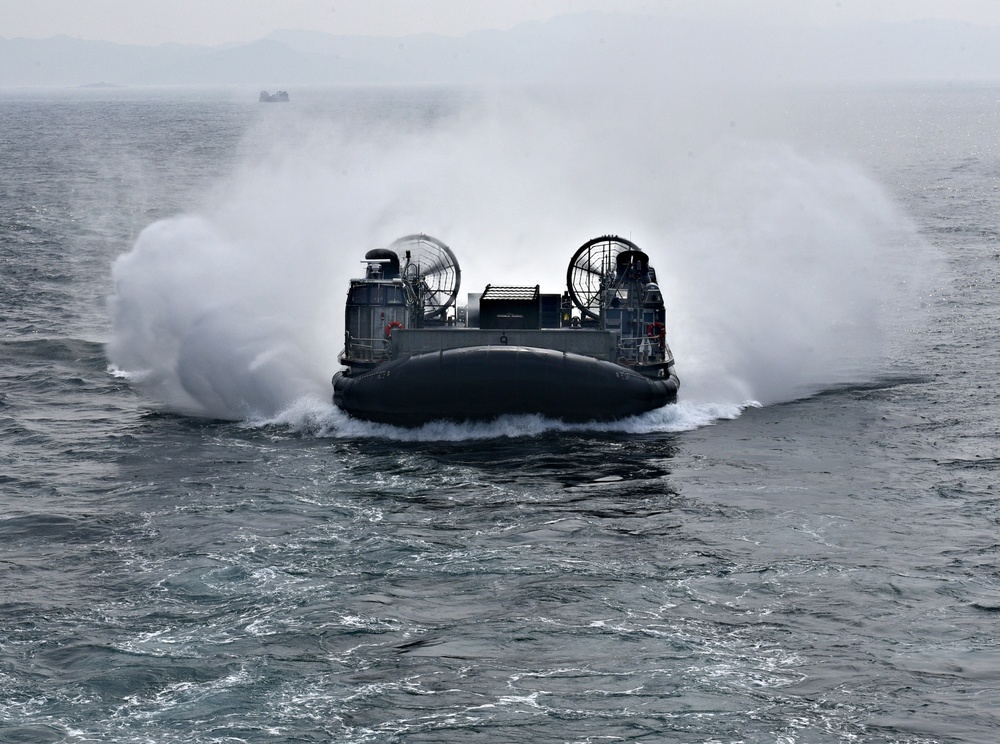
[(781, 269)]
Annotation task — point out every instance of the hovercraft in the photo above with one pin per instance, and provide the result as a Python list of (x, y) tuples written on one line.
[(597, 352)]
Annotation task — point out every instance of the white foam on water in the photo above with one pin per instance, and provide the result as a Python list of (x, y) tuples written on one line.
[(321, 419)]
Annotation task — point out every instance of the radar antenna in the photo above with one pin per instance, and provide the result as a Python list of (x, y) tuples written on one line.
[(433, 271), (592, 270)]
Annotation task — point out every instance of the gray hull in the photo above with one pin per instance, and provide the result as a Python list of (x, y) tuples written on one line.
[(483, 382)]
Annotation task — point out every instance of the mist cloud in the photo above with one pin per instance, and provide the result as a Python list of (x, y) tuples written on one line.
[(784, 271)]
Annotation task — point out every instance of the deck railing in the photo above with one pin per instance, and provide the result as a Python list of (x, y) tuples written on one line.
[(640, 349), (367, 349)]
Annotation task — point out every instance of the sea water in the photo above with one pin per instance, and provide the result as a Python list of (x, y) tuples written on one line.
[(197, 546)]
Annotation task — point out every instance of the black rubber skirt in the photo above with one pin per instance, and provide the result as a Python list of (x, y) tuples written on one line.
[(480, 383)]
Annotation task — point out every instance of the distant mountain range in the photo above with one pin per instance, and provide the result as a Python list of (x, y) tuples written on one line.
[(571, 48)]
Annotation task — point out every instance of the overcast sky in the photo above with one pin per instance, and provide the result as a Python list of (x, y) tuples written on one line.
[(222, 21)]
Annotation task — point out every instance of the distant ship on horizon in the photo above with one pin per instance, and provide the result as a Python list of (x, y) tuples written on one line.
[(279, 97)]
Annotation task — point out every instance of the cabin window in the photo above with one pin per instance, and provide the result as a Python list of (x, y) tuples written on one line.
[(376, 294)]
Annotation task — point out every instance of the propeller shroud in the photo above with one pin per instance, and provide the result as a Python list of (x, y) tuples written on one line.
[(591, 269), (432, 269)]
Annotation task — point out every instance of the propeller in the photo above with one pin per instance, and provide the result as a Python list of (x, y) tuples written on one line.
[(592, 269), (433, 271)]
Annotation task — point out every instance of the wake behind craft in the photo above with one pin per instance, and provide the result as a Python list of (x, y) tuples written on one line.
[(597, 352)]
